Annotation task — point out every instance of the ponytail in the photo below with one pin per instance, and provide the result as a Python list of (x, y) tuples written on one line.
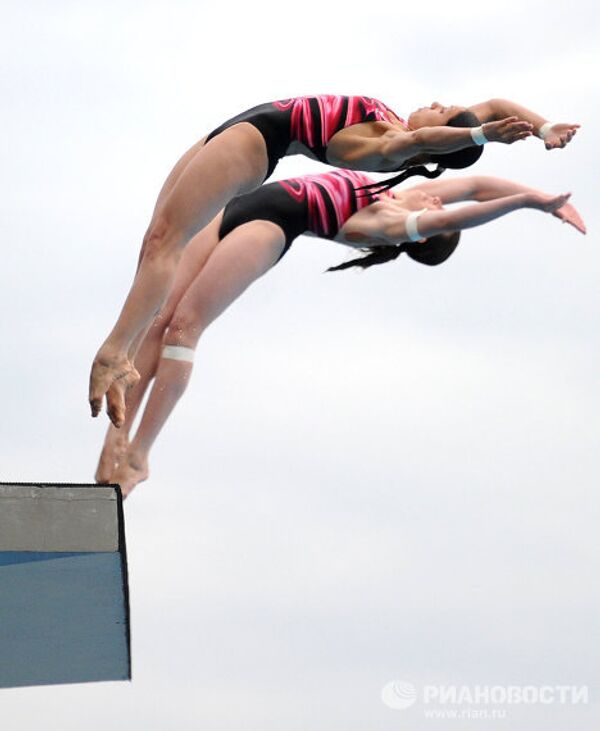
[(377, 255), (383, 185)]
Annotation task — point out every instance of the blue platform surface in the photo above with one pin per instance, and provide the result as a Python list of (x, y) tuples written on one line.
[(64, 615)]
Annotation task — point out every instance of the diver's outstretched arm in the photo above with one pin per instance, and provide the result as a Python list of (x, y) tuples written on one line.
[(433, 222), (555, 135), (384, 226), (397, 146), (486, 187)]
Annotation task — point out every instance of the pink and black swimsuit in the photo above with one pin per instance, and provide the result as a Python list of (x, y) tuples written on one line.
[(319, 204), (306, 124)]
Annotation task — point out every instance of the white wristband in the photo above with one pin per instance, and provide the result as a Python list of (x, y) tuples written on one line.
[(411, 225), (478, 137), (545, 129), (178, 352)]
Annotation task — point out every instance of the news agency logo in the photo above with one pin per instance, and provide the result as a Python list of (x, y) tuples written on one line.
[(400, 695)]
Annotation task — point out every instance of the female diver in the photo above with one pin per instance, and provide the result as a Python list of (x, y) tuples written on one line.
[(357, 133), (255, 230)]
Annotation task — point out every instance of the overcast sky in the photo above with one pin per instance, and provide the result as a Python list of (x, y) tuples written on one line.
[(388, 475)]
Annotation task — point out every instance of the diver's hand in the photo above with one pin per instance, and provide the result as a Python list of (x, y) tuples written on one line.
[(569, 214), (559, 135), (507, 130), (546, 202)]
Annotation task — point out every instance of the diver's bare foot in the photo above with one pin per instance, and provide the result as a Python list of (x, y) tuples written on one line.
[(115, 446), (111, 376), (132, 470)]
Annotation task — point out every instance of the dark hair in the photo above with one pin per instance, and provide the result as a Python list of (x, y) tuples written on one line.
[(454, 160), (467, 156), (433, 252), (381, 186)]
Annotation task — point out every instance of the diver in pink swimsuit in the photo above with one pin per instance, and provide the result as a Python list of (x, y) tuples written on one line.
[(253, 233), (306, 124)]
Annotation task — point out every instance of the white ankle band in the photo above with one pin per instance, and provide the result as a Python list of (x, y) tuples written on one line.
[(178, 352), (411, 225)]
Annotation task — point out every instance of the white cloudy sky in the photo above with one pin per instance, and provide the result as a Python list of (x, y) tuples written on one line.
[(377, 476)]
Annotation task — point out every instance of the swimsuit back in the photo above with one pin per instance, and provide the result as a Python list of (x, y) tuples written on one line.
[(317, 204), (306, 124)]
